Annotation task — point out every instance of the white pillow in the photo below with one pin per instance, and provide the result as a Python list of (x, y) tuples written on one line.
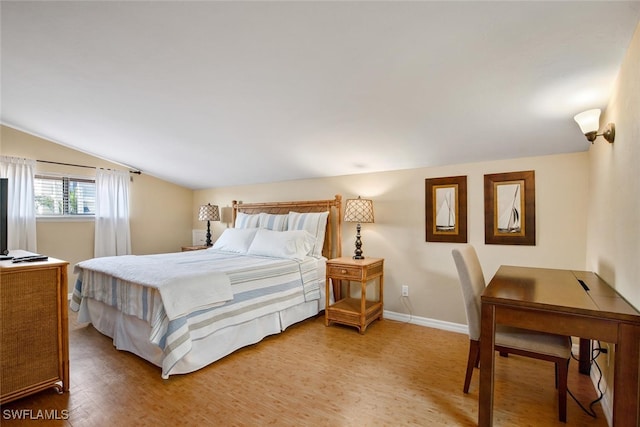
[(244, 220), (294, 244), (235, 240), (313, 222), (273, 221)]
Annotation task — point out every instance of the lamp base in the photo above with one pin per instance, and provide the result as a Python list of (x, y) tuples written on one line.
[(208, 243), (358, 252)]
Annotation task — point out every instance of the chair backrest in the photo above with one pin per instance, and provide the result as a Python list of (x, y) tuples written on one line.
[(472, 284)]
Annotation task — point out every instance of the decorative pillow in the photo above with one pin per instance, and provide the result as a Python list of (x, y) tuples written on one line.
[(235, 240), (313, 222), (294, 244), (244, 220), (274, 222)]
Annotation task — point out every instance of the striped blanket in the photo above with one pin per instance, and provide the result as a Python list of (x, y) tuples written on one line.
[(259, 285)]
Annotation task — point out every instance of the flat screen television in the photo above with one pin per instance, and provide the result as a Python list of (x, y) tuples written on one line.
[(4, 206)]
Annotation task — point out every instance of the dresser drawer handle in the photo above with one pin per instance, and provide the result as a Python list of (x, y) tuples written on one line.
[(344, 272)]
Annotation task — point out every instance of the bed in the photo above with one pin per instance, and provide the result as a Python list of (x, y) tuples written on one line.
[(185, 310)]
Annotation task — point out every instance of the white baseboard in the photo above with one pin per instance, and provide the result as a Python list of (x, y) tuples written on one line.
[(424, 321)]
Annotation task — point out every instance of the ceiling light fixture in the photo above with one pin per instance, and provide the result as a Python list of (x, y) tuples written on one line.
[(589, 122)]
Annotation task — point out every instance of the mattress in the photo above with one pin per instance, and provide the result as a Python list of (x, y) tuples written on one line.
[(268, 296)]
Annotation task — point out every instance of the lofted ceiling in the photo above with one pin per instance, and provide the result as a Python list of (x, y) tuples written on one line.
[(211, 93)]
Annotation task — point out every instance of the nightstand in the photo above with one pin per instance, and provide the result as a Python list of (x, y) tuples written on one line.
[(194, 248), (358, 312)]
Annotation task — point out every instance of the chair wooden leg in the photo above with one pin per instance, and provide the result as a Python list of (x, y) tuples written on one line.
[(563, 372), (472, 361)]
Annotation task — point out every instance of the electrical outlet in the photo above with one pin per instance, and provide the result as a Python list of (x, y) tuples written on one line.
[(405, 290)]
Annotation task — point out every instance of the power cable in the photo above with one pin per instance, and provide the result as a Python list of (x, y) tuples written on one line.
[(594, 355)]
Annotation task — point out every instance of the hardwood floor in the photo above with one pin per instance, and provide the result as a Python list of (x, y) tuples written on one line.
[(311, 375)]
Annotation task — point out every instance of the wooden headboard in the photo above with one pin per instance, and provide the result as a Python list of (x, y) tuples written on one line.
[(333, 236)]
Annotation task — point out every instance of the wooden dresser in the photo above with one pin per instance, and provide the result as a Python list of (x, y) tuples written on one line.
[(34, 334)]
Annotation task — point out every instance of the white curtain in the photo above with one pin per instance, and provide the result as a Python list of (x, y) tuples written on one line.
[(112, 213), (21, 215)]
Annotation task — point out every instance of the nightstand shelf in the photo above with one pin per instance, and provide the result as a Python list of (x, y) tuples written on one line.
[(194, 248), (358, 312)]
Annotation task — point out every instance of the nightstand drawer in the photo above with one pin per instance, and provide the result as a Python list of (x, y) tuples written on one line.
[(341, 272)]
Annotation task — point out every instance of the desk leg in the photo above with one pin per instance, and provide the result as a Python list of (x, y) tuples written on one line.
[(487, 361), (584, 366), (626, 395)]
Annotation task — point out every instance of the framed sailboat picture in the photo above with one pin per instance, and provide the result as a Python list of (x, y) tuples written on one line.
[(446, 209), (509, 208)]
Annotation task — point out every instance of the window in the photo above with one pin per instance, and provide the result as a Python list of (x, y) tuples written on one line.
[(64, 196)]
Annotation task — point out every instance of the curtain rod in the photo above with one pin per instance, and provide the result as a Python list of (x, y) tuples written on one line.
[(137, 172)]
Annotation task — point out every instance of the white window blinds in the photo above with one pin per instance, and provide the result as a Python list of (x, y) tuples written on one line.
[(64, 195)]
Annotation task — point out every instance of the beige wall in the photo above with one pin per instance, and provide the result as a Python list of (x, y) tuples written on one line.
[(613, 236), (398, 234), (160, 212), (614, 185)]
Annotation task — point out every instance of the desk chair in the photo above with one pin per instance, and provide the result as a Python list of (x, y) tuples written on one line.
[(538, 345)]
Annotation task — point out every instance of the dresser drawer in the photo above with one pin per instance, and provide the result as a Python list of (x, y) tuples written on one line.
[(343, 272)]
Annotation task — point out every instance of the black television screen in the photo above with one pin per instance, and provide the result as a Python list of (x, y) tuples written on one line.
[(4, 188)]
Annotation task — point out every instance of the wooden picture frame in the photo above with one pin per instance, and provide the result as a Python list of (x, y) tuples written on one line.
[(510, 208), (446, 209)]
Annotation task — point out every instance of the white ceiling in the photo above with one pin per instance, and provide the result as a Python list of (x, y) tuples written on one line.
[(207, 94)]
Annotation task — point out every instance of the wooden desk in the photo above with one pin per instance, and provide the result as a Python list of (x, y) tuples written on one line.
[(554, 301)]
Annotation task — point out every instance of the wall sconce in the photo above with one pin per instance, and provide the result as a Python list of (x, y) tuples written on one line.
[(358, 210), (209, 213), (589, 122)]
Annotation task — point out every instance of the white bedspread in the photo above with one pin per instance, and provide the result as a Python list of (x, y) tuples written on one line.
[(260, 286), (183, 286)]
